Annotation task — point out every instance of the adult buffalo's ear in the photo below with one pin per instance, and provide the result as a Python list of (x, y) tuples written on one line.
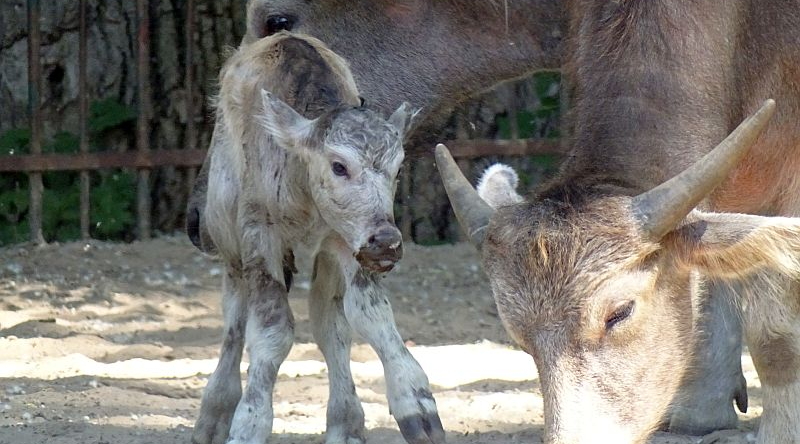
[(403, 118), (498, 186), (289, 129), (730, 246)]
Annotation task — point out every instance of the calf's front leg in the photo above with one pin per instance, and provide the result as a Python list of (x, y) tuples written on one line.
[(408, 392), (345, 419)]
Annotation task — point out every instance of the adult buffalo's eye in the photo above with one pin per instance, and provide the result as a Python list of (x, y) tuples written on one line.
[(620, 313), (277, 23), (339, 169)]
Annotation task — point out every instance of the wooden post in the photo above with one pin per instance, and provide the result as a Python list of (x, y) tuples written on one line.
[(83, 112), (143, 122), (34, 107)]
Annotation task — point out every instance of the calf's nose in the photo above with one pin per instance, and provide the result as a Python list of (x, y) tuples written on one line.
[(382, 250), (387, 238)]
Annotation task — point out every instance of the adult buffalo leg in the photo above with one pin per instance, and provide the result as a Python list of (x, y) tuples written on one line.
[(772, 324), (705, 400), (408, 392), (224, 387), (345, 420), (269, 336)]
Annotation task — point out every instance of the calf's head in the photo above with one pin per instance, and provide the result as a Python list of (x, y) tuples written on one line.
[(596, 283), (353, 155)]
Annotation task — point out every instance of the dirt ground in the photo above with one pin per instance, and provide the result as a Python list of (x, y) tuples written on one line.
[(105, 343)]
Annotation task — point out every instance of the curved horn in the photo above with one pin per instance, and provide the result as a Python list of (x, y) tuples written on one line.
[(471, 211), (662, 208)]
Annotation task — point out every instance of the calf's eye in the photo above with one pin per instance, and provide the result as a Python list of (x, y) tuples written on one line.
[(277, 23), (339, 169), (620, 313)]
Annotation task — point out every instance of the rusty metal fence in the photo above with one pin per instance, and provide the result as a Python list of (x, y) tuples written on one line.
[(143, 159)]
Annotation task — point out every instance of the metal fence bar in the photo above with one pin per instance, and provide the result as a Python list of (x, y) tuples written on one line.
[(83, 117), (460, 149), (191, 129), (143, 122), (34, 106), (102, 160), (191, 134)]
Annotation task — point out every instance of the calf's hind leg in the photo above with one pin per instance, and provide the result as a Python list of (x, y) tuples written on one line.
[(345, 420), (408, 392), (224, 388)]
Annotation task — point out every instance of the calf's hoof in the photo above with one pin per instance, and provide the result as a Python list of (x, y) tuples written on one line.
[(347, 435), (422, 429), (212, 430)]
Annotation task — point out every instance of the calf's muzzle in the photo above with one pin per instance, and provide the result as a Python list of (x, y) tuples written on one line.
[(382, 250)]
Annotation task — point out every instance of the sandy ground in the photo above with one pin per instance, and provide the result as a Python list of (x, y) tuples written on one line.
[(106, 343)]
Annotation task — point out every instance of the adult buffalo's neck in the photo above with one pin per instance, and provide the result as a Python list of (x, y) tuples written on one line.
[(653, 87), (436, 53)]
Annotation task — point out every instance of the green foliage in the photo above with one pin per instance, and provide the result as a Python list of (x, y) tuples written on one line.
[(537, 123), (13, 211), (15, 141), (14, 190), (63, 143), (61, 213), (108, 114), (112, 206), (534, 123), (112, 193)]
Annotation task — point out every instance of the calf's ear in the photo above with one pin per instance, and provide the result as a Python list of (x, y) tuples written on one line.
[(290, 130), (730, 246), (403, 118)]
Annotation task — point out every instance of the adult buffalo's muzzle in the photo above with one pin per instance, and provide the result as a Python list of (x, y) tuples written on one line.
[(383, 249)]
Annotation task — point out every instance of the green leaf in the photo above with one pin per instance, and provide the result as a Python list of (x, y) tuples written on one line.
[(15, 141), (109, 113), (112, 206), (543, 83), (14, 234), (63, 143), (61, 214), (13, 204)]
